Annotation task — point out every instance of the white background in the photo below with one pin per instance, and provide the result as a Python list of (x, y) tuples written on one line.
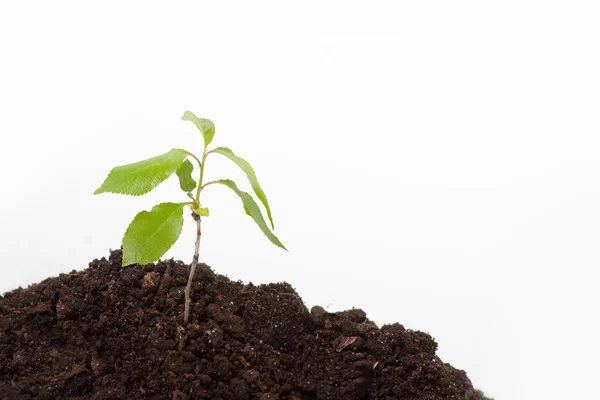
[(434, 163)]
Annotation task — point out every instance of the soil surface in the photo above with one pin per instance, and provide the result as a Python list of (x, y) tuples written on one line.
[(111, 333)]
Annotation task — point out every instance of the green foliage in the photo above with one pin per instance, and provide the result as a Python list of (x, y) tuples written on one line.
[(184, 172), (152, 233), (143, 176), (252, 210), (247, 168), (206, 126)]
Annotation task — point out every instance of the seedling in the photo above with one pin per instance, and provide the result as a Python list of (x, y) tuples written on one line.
[(152, 233)]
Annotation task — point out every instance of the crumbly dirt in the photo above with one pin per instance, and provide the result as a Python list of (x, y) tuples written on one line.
[(111, 333)]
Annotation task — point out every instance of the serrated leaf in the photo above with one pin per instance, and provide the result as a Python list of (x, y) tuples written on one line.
[(184, 172), (143, 176), (252, 210), (152, 233), (247, 168), (205, 126)]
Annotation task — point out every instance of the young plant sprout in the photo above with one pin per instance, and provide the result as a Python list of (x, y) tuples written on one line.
[(152, 233)]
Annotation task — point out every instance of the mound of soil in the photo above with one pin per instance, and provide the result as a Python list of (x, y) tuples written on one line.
[(111, 333)]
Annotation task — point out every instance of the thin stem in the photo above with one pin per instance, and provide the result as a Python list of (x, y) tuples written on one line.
[(195, 158), (200, 180), (209, 183), (188, 288)]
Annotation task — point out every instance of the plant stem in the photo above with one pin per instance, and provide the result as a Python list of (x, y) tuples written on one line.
[(188, 288), (200, 180), (196, 158), (209, 183)]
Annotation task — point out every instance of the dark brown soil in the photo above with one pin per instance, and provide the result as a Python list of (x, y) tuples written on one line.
[(116, 333)]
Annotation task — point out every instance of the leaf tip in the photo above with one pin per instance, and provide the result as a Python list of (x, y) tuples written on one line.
[(125, 261)]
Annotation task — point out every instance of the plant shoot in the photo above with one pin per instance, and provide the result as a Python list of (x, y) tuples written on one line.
[(152, 233)]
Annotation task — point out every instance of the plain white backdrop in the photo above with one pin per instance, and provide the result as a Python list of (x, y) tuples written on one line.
[(435, 163)]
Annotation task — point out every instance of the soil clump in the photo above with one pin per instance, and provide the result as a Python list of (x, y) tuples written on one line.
[(112, 333)]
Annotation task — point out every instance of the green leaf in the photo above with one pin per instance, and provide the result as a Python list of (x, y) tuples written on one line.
[(252, 210), (247, 168), (152, 233), (206, 126), (143, 176), (184, 172)]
